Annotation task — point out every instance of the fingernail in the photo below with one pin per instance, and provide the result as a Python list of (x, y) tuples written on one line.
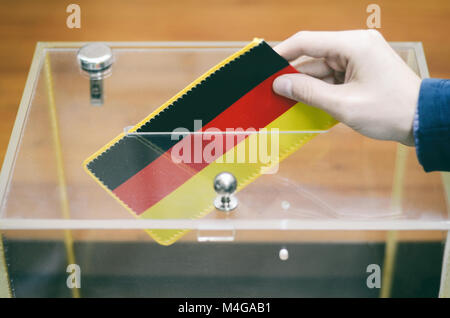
[(283, 86)]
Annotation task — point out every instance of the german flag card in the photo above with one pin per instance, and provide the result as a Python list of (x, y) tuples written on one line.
[(164, 167)]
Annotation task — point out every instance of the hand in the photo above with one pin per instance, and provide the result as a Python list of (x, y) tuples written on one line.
[(356, 77)]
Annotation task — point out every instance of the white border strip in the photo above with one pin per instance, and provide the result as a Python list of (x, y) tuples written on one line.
[(19, 125), (249, 224)]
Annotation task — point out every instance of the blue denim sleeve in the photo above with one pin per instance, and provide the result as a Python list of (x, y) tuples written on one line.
[(432, 125)]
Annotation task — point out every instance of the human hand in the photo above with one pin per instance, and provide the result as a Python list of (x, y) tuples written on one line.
[(356, 77)]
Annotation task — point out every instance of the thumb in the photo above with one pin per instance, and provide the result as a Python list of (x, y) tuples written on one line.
[(310, 90)]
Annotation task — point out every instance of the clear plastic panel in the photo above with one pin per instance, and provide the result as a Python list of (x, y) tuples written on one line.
[(339, 180), (128, 263), (336, 177), (328, 183)]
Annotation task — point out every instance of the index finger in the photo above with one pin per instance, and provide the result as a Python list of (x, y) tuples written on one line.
[(319, 44)]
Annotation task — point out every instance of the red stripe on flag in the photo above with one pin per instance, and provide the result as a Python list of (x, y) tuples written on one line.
[(256, 109)]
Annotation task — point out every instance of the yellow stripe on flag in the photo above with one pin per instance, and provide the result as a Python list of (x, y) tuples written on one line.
[(194, 199)]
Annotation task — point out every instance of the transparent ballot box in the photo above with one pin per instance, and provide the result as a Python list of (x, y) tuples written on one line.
[(342, 215)]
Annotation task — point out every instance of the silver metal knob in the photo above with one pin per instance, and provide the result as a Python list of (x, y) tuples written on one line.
[(95, 59), (225, 185)]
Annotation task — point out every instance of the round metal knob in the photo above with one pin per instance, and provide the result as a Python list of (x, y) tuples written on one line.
[(95, 57), (225, 185), (95, 60)]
